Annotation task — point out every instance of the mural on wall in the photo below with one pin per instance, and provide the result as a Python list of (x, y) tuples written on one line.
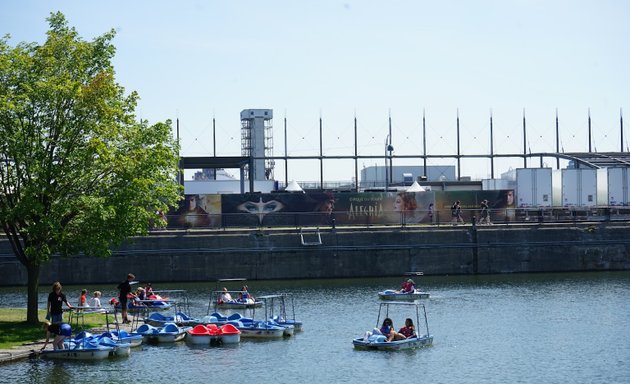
[(197, 211), (500, 204), (325, 208), (345, 208), (276, 209), (382, 207)]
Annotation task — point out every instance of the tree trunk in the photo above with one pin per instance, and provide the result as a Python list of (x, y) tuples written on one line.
[(33, 293)]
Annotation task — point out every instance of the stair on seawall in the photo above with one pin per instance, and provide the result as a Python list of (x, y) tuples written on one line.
[(313, 236)]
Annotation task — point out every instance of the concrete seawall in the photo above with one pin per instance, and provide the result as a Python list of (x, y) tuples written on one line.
[(344, 252)]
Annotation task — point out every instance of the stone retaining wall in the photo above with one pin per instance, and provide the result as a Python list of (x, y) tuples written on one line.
[(343, 253)]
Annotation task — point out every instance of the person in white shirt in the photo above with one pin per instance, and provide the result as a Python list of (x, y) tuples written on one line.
[(96, 300), (225, 296)]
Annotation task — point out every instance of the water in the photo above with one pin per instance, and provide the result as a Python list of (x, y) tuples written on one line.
[(549, 328)]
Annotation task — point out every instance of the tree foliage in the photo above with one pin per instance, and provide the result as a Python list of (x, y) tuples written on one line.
[(78, 171)]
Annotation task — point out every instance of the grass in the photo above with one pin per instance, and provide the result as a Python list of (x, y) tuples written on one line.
[(15, 331)]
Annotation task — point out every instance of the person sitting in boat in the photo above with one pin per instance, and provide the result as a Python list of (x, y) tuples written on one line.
[(148, 289), (141, 294), (59, 330), (409, 330), (387, 329), (408, 286), (244, 296), (225, 297), (137, 298)]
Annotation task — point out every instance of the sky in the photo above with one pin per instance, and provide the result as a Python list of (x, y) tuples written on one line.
[(339, 60)]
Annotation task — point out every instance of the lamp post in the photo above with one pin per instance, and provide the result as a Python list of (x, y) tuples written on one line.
[(390, 148)]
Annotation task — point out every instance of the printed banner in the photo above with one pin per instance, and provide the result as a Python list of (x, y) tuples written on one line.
[(344, 208)]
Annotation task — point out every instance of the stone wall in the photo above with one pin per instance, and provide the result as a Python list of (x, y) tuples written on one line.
[(280, 254)]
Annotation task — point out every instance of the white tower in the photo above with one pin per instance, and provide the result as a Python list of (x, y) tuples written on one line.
[(257, 142)]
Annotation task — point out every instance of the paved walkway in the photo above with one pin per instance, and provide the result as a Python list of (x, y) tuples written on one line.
[(17, 353)]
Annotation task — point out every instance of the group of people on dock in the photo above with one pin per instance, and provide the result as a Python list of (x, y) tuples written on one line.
[(56, 299), (54, 325)]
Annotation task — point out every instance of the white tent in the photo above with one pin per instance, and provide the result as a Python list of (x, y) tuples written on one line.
[(415, 187), (294, 187)]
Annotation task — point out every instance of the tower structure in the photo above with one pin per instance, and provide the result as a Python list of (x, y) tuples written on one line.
[(257, 142)]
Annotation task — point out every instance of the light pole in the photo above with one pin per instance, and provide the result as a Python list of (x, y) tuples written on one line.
[(390, 148)]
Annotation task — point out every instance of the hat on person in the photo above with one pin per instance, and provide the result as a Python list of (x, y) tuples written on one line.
[(410, 281)]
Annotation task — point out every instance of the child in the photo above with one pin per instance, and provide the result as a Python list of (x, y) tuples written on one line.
[(83, 299), (96, 300), (141, 293)]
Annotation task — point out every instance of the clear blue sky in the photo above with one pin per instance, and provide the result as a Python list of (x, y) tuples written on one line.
[(338, 59)]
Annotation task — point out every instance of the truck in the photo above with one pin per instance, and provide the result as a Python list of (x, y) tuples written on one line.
[(618, 186), (533, 187), (579, 187)]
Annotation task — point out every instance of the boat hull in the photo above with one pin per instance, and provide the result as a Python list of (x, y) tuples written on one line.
[(123, 337), (78, 354), (201, 339), (297, 325), (236, 305), (403, 296), (135, 341), (261, 333), (416, 342), (231, 339), (213, 339), (121, 350), (169, 337), (289, 330)]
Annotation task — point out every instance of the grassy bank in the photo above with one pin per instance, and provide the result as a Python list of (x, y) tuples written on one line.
[(14, 331)]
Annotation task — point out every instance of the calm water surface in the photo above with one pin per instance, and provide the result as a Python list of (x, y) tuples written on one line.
[(549, 328)]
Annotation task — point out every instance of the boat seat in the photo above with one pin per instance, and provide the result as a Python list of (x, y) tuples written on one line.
[(377, 339)]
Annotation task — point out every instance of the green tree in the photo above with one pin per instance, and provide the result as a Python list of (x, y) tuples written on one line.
[(79, 172)]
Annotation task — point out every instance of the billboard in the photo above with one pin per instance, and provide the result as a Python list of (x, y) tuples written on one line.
[(500, 204), (328, 208)]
